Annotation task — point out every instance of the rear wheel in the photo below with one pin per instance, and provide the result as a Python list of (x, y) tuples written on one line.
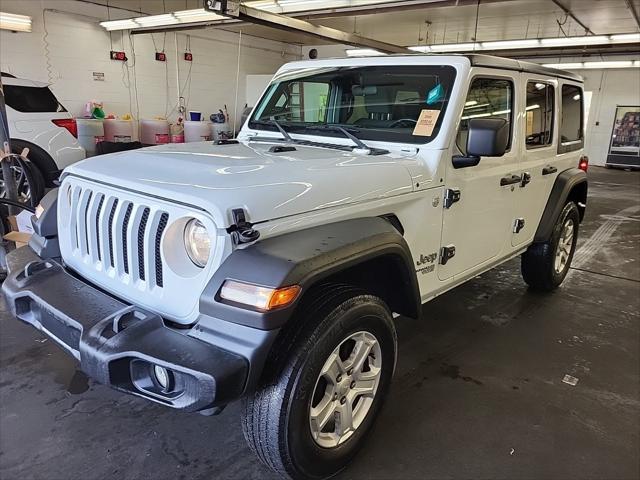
[(324, 385), (545, 265)]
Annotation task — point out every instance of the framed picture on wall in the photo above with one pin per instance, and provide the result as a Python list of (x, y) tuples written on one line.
[(624, 148)]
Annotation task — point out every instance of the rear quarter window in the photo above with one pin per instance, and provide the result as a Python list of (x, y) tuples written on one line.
[(571, 119), (31, 99)]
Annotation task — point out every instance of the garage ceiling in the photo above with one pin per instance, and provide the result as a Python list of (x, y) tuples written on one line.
[(437, 21)]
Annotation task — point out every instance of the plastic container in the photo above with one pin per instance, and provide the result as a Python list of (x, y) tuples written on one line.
[(195, 116), (177, 138), (90, 132), (154, 132), (220, 131), (118, 130), (196, 131)]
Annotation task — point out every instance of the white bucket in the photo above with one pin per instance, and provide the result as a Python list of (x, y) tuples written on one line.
[(220, 131), (90, 132), (154, 132), (196, 131), (118, 130)]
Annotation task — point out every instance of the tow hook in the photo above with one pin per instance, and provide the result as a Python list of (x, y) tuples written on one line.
[(242, 231)]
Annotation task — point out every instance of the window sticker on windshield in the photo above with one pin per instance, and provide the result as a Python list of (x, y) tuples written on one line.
[(426, 123)]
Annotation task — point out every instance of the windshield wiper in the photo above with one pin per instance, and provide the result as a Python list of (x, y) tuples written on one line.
[(275, 123), (337, 128)]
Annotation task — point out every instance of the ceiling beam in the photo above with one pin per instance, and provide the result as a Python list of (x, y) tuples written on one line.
[(634, 12), (248, 14), (572, 15)]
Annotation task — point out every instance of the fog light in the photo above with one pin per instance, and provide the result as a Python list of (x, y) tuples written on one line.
[(162, 376)]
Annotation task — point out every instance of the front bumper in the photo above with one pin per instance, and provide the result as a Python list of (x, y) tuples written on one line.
[(119, 345)]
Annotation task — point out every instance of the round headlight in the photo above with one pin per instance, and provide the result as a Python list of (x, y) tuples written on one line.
[(197, 242)]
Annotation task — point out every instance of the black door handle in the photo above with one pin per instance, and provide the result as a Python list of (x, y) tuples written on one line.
[(548, 170), (510, 180)]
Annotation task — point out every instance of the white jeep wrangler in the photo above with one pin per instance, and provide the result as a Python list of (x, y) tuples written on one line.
[(268, 268)]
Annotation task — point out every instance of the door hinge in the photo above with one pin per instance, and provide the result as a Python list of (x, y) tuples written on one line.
[(518, 225), (447, 253), (451, 196), (242, 231)]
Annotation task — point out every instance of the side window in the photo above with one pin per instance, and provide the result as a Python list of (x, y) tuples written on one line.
[(488, 97), (571, 120), (539, 114)]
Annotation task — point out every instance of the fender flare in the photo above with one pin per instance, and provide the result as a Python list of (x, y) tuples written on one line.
[(565, 183), (307, 257)]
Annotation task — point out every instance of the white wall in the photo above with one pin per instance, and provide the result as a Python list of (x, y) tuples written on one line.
[(610, 88), (78, 46)]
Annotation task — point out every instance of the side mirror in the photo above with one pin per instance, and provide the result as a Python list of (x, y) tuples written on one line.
[(488, 137)]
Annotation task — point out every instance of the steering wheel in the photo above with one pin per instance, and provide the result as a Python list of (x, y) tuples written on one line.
[(401, 120)]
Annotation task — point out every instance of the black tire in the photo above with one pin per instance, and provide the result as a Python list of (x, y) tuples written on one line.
[(32, 186), (538, 262), (275, 419)]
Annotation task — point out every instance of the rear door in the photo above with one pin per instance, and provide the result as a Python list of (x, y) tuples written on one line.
[(537, 141), (479, 224)]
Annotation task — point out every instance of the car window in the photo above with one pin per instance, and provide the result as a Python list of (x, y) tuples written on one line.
[(31, 99), (571, 120), (384, 103), (487, 98), (539, 114)]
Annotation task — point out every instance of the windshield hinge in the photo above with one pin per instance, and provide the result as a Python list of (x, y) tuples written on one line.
[(242, 231)]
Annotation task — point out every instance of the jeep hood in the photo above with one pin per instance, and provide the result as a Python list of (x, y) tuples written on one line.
[(269, 185)]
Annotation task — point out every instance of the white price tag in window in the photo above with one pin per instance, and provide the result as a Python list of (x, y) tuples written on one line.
[(426, 123)]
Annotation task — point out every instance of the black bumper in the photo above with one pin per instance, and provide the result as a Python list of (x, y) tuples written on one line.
[(119, 345)]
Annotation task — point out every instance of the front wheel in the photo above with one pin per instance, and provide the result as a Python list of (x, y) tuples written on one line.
[(545, 265), (324, 385)]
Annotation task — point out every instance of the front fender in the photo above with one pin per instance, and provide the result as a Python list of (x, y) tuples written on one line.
[(307, 257)]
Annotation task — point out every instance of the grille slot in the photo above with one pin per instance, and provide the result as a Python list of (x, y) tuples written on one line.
[(125, 224), (110, 228), (98, 227), (141, 230), (164, 218)]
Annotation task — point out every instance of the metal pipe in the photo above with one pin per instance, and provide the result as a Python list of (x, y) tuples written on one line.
[(5, 141), (634, 12), (283, 22)]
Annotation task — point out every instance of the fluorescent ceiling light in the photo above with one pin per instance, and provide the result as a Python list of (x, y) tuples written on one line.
[(509, 44), (15, 23), (529, 43), (574, 41), (453, 47), (626, 38), (477, 115), (175, 18), (595, 65), (363, 52), (533, 107), (202, 15), (470, 103)]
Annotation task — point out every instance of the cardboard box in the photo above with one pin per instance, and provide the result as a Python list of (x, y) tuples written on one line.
[(20, 238)]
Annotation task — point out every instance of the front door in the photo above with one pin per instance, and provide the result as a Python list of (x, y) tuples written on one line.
[(479, 224)]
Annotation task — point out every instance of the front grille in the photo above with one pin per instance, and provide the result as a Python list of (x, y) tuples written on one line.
[(112, 232)]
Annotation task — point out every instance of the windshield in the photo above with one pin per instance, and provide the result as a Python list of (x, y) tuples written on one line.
[(385, 103)]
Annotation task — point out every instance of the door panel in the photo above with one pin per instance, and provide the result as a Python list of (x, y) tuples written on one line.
[(538, 151), (479, 223)]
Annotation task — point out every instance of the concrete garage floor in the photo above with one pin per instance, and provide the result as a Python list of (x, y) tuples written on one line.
[(478, 392)]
